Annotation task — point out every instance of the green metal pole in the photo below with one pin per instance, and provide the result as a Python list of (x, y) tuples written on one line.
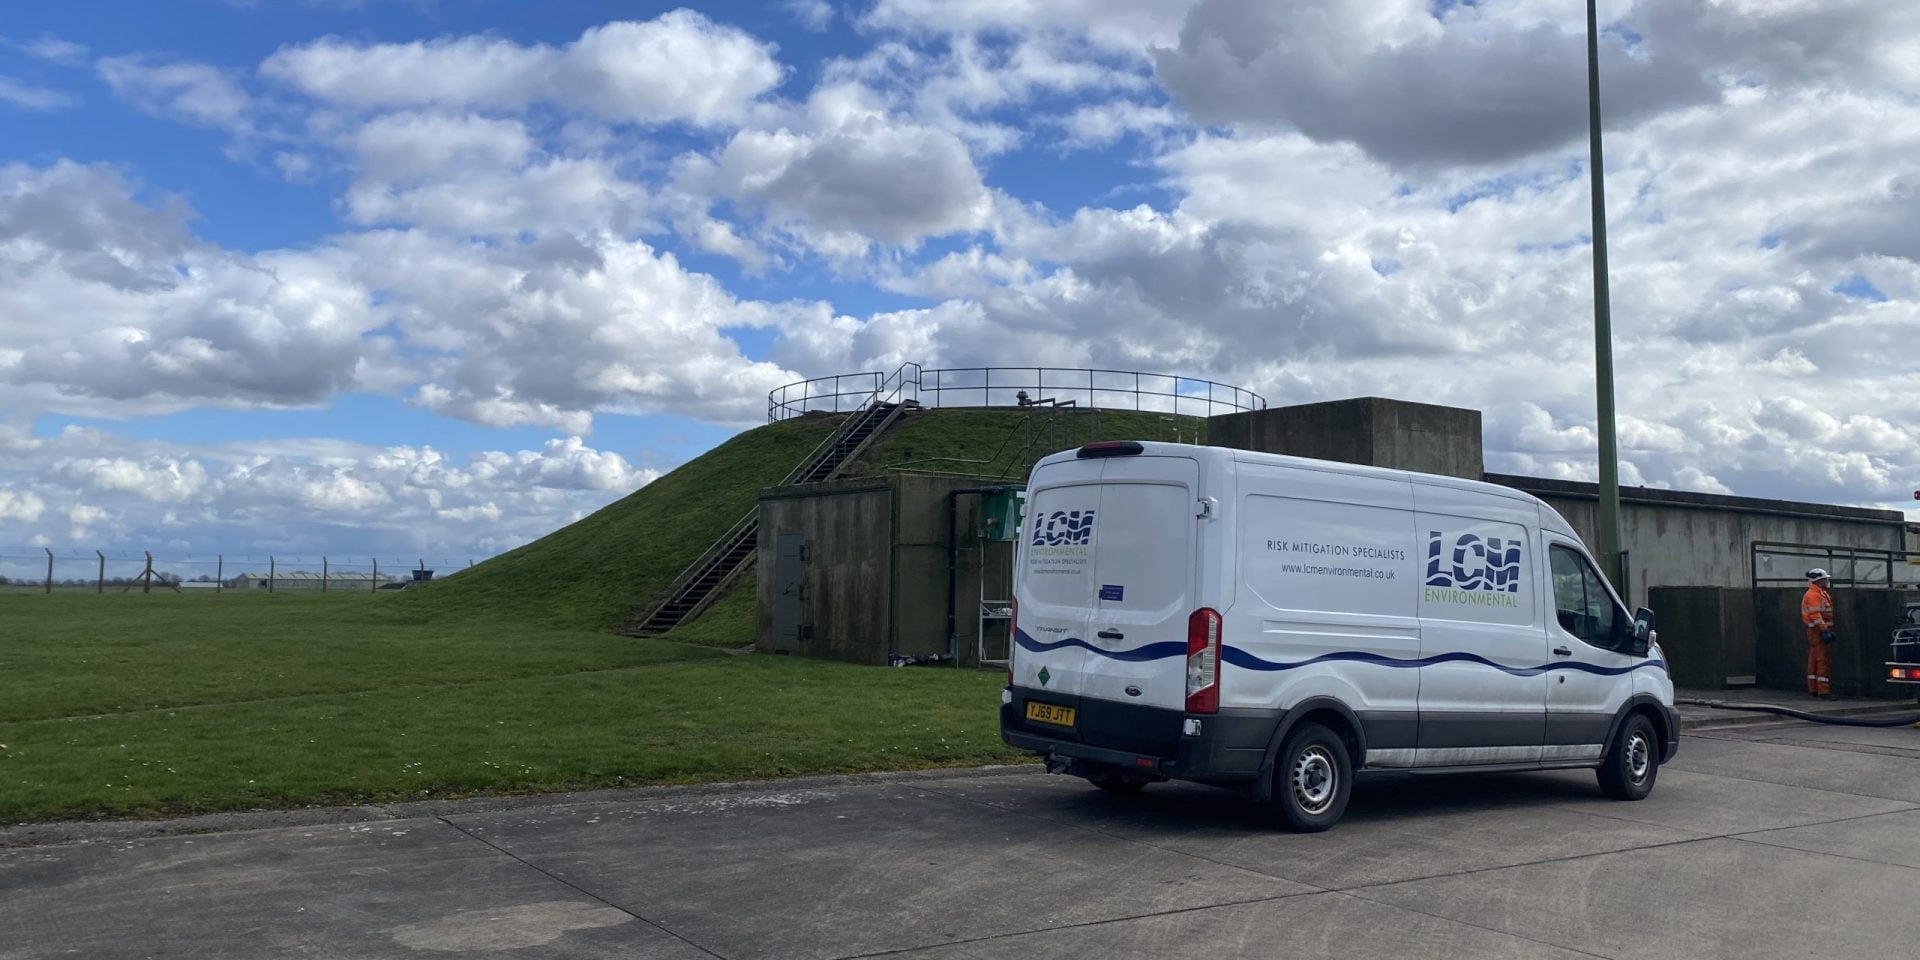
[(1602, 321)]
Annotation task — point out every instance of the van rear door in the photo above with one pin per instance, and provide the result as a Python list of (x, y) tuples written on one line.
[(1145, 576), (1055, 584)]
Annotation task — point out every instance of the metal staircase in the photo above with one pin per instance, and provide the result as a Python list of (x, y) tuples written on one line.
[(732, 555)]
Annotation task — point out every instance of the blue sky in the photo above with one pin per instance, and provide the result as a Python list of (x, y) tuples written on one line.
[(443, 276)]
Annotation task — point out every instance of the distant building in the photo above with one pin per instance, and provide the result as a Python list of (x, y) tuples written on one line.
[(312, 580)]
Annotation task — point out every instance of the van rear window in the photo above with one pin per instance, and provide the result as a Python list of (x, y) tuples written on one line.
[(1144, 550)]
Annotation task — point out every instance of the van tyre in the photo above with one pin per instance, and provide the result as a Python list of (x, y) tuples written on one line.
[(1118, 785), (1633, 760), (1312, 778)]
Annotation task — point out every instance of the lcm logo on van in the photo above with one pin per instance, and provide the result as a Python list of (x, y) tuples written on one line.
[(1063, 528), (1476, 570)]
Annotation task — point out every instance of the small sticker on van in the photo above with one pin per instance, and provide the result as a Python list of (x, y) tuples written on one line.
[(1112, 591)]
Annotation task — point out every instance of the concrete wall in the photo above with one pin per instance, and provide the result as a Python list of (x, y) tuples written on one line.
[(848, 527), (1675, 538), (876, 584), (1713, 633), (1366, 430), (920, 565), (1707, 634)]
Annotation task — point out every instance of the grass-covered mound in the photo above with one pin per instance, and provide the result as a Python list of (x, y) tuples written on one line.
[(593, 573)]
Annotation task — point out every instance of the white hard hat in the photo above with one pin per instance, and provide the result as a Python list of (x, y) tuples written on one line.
[(1819, 573)]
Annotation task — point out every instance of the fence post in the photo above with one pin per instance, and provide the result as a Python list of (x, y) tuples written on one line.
[(373, 582), (100, 584), (49, 551), (270, 572), (323, 574), (146, 576), (219, 572)]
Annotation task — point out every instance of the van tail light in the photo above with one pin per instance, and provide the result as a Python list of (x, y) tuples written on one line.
[(1013, 634), (1203, 661)]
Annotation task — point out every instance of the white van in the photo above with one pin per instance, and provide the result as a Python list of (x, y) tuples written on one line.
[(1275, 624)]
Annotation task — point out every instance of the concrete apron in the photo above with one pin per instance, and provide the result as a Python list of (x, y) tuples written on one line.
[(1726, 859)]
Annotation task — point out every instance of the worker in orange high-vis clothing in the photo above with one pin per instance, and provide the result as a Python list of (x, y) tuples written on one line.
[(1816, 611)]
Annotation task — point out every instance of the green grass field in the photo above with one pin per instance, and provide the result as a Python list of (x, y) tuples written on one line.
[(170, 704), (1005, 443), (500, 679)]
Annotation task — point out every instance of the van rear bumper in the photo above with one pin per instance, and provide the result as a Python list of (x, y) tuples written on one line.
[(1229, 748)]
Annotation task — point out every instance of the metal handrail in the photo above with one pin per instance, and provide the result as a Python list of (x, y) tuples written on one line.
[(1002, 386), (1844, 562), (725, 542)]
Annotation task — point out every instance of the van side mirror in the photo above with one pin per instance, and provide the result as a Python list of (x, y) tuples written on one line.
[(1643, 636)]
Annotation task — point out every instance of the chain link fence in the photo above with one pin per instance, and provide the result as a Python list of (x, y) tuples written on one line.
[(43, 570)]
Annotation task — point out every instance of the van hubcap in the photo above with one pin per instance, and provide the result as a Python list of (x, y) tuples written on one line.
[(1639, 757), (1314, 779)]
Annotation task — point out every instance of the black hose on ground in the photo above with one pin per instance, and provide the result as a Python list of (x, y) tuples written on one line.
[(1802, 715)]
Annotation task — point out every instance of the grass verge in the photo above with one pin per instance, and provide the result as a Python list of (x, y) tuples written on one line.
[(708, 720), (117, 707)]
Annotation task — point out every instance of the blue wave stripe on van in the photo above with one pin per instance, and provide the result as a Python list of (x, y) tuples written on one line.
[(1152, 651), (1247, 661)]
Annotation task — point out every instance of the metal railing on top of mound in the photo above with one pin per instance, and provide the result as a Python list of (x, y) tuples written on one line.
[(1013, 387)]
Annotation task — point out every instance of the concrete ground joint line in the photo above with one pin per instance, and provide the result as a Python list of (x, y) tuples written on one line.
[(1477, 926), (1532, 863), (1826, 853), (1134, 841), (573, 886), (1616, 818), (1906, 808)]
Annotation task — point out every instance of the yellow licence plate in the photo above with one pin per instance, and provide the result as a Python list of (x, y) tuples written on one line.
[(1049, 713)]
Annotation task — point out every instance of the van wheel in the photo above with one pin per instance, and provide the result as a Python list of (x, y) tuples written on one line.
[(1312, 778), (1118, 785), (1633, 761)]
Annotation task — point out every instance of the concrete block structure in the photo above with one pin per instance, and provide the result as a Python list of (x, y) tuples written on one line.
[(866, 570), (863, 570), (1718, 638), (1680, 538), (1369, 430)]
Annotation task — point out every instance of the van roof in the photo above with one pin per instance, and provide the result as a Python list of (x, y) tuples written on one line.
[(1156, 448)]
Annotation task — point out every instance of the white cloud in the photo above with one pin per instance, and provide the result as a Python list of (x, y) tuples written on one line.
[(870, 178), (1123, 25), (24, 506), (548, 332), (333, 497), (678, 66), (50, 48), (813, 15), (160, 479), (108, 305), (1473, 86), (85, 514), (481, 175), (26, 96), (1101, 124), (195, 92)]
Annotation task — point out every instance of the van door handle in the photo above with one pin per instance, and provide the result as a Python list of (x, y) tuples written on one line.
[(1111, 635), (1563, 651)]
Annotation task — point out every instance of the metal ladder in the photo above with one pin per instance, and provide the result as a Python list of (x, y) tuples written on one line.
[(723, 563)]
